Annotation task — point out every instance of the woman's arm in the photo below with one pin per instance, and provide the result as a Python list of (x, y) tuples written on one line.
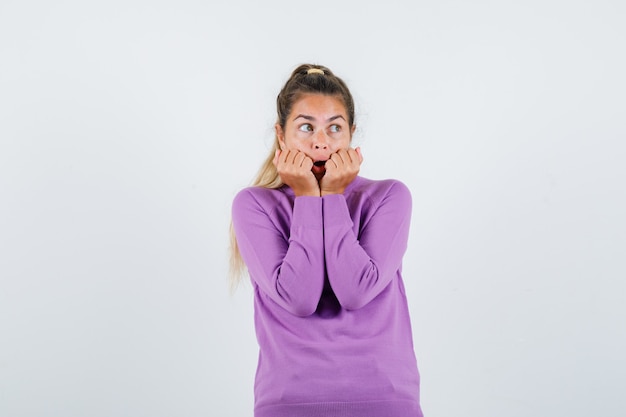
[(359, 269), (288, 268)]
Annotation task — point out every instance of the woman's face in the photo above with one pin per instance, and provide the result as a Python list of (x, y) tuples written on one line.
[(318, 127)]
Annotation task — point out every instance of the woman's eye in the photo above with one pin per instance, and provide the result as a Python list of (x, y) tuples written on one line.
[(335, 128), (306, 128)]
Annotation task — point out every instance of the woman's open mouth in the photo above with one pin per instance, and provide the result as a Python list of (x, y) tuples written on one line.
[(319, 168)]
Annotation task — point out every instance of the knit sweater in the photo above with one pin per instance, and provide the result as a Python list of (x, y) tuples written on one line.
[(331, 313)]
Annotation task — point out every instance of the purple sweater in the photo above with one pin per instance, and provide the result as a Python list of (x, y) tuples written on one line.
[(331, 313)]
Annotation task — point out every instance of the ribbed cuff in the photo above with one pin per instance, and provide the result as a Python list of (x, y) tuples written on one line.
[(335, 209), (307, 212)]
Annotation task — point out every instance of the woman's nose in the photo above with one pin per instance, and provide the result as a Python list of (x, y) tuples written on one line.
[(320, 140)]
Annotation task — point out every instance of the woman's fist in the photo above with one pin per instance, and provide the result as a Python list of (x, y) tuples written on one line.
[(294, 168), (341, 169)]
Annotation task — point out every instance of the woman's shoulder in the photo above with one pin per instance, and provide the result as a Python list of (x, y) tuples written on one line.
[(260, 195), (368, 196), (380, 188)]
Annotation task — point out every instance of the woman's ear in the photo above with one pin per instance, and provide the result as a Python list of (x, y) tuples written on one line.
[(280, 135)]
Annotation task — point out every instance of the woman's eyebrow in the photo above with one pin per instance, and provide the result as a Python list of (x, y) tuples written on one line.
[(307, 117), (336, 117)]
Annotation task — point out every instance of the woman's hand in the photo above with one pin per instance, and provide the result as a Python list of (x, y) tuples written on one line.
[(342, 167), (294, 168)]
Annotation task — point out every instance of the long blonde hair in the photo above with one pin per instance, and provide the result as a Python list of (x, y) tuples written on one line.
[(306, 78)]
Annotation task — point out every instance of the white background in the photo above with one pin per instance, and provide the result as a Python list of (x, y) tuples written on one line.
[(126, 128)]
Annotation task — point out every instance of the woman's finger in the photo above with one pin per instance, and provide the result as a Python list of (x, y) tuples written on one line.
[(338, 158), (360, 155), (276, 157)]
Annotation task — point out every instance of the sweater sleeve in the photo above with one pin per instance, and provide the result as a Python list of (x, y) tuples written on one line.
[(360, 268), (288, 269)]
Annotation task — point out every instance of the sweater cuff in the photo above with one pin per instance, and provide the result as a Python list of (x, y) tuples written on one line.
[(336, 211), (307, 212)]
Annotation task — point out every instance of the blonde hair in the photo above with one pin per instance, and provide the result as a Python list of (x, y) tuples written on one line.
[(267, 177), (306, 78)]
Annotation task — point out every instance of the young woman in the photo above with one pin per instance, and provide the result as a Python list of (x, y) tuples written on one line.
[(323, 248)]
